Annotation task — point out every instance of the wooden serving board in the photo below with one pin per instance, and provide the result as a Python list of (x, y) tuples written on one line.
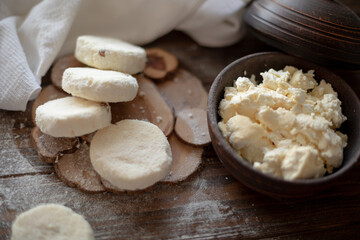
[(211, 204)]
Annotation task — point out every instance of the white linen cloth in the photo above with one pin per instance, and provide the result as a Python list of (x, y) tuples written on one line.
[(33, 33)]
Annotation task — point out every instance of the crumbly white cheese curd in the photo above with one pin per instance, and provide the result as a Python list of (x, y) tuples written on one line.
[(286, 125)]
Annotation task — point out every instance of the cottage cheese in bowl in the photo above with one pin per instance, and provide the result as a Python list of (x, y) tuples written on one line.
[(286, 125)]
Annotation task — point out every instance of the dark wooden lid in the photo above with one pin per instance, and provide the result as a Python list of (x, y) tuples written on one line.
[(322, 31)]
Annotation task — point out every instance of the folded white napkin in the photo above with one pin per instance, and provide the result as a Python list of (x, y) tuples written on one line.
[(34, 32)]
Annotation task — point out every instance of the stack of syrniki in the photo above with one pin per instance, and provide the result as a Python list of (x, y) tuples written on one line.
[(128, 154)]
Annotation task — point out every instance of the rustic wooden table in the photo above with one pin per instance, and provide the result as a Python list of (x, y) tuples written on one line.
[(211, 204)]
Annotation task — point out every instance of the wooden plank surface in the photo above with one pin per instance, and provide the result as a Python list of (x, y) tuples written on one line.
[(211, 204)]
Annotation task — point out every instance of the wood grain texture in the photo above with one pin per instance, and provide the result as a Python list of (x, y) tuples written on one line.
[(211, 204)]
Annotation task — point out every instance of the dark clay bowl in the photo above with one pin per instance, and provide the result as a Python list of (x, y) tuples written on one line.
[(243, 170)]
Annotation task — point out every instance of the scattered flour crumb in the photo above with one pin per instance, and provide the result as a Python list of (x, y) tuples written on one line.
[(158, 119)]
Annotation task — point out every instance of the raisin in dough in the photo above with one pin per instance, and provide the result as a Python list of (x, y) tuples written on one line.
[(111, 54), (51, 221), (131, 154), (72, 116), (99, 85)]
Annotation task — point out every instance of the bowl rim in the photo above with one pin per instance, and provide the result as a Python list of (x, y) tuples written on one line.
[(213, 113)]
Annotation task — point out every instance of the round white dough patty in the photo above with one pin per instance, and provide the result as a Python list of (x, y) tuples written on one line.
[(51, 221), (99, 85), (72, 116), (131, 154), (111, 54)]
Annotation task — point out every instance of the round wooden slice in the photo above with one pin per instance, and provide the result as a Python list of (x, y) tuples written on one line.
[(147, 105), (191, 126), (184, 90), (186, 160), (49, 148), (76, 170), (160, 63)]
